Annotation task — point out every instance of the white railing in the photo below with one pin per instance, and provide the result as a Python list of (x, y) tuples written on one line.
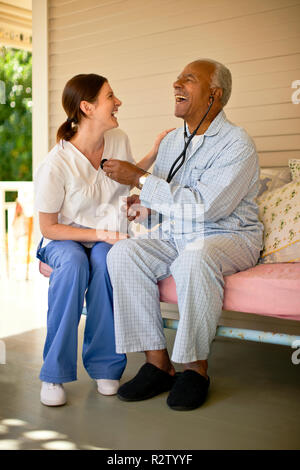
[(25, 197)]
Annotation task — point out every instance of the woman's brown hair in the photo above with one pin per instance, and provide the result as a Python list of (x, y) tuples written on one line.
[(83, 87)]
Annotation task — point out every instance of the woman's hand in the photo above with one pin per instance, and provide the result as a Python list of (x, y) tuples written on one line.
[(158, 140), (150, 158)]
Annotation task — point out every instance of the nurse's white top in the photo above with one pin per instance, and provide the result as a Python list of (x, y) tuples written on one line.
[(66, 182)]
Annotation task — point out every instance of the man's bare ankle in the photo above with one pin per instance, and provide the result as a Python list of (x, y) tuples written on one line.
[(160, 359), (198, 366)]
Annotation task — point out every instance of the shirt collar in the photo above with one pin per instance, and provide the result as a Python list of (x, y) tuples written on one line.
[(215, 125)]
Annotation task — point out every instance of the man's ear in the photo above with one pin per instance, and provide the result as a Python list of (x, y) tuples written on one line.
[(217, 93)]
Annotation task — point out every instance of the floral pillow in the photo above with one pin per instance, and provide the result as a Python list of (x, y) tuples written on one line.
[(279, 211), (294, 165)]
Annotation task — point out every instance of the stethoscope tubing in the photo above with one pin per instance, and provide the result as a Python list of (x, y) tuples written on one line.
[(182, 156)]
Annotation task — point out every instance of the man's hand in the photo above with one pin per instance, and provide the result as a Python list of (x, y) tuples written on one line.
[(135, 211), (123, 172)]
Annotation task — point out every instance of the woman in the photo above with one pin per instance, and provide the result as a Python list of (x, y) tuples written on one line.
[(79, 220)]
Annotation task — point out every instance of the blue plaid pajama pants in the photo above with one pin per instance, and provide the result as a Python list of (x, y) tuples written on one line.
[(136, 265)]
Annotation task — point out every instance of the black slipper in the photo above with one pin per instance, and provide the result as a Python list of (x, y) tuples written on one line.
[(189, 391), (149, 382)]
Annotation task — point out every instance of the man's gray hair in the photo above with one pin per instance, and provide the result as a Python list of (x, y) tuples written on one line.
[(222, 79)]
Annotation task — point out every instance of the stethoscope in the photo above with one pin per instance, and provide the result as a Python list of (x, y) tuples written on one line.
[(187, 141)]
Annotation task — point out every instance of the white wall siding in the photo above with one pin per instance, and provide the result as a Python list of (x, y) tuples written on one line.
[(142, 46)]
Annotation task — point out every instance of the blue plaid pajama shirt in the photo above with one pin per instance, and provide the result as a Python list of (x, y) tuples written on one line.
[(210, 228)]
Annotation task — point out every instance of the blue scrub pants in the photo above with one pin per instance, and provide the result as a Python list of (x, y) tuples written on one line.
[(79, 271)]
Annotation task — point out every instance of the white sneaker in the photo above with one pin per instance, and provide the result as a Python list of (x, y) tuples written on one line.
[(108, 386), (53, 394)]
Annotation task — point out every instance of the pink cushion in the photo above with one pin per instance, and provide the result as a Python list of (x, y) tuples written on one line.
[(266, 289)]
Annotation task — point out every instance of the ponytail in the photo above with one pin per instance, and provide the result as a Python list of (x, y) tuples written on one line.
[(67, 130)]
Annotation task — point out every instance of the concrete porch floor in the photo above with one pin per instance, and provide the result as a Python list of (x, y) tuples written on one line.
[(253, 404)]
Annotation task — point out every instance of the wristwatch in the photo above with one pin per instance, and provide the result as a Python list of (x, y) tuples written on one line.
[(142, 180)]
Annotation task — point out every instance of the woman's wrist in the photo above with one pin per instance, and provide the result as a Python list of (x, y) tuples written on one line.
[(147, 161), (152, 155)]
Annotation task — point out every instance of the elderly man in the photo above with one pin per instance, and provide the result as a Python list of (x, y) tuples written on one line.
[(216, 178)]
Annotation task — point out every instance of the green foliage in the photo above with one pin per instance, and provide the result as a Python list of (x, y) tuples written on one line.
[(16, 115)]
